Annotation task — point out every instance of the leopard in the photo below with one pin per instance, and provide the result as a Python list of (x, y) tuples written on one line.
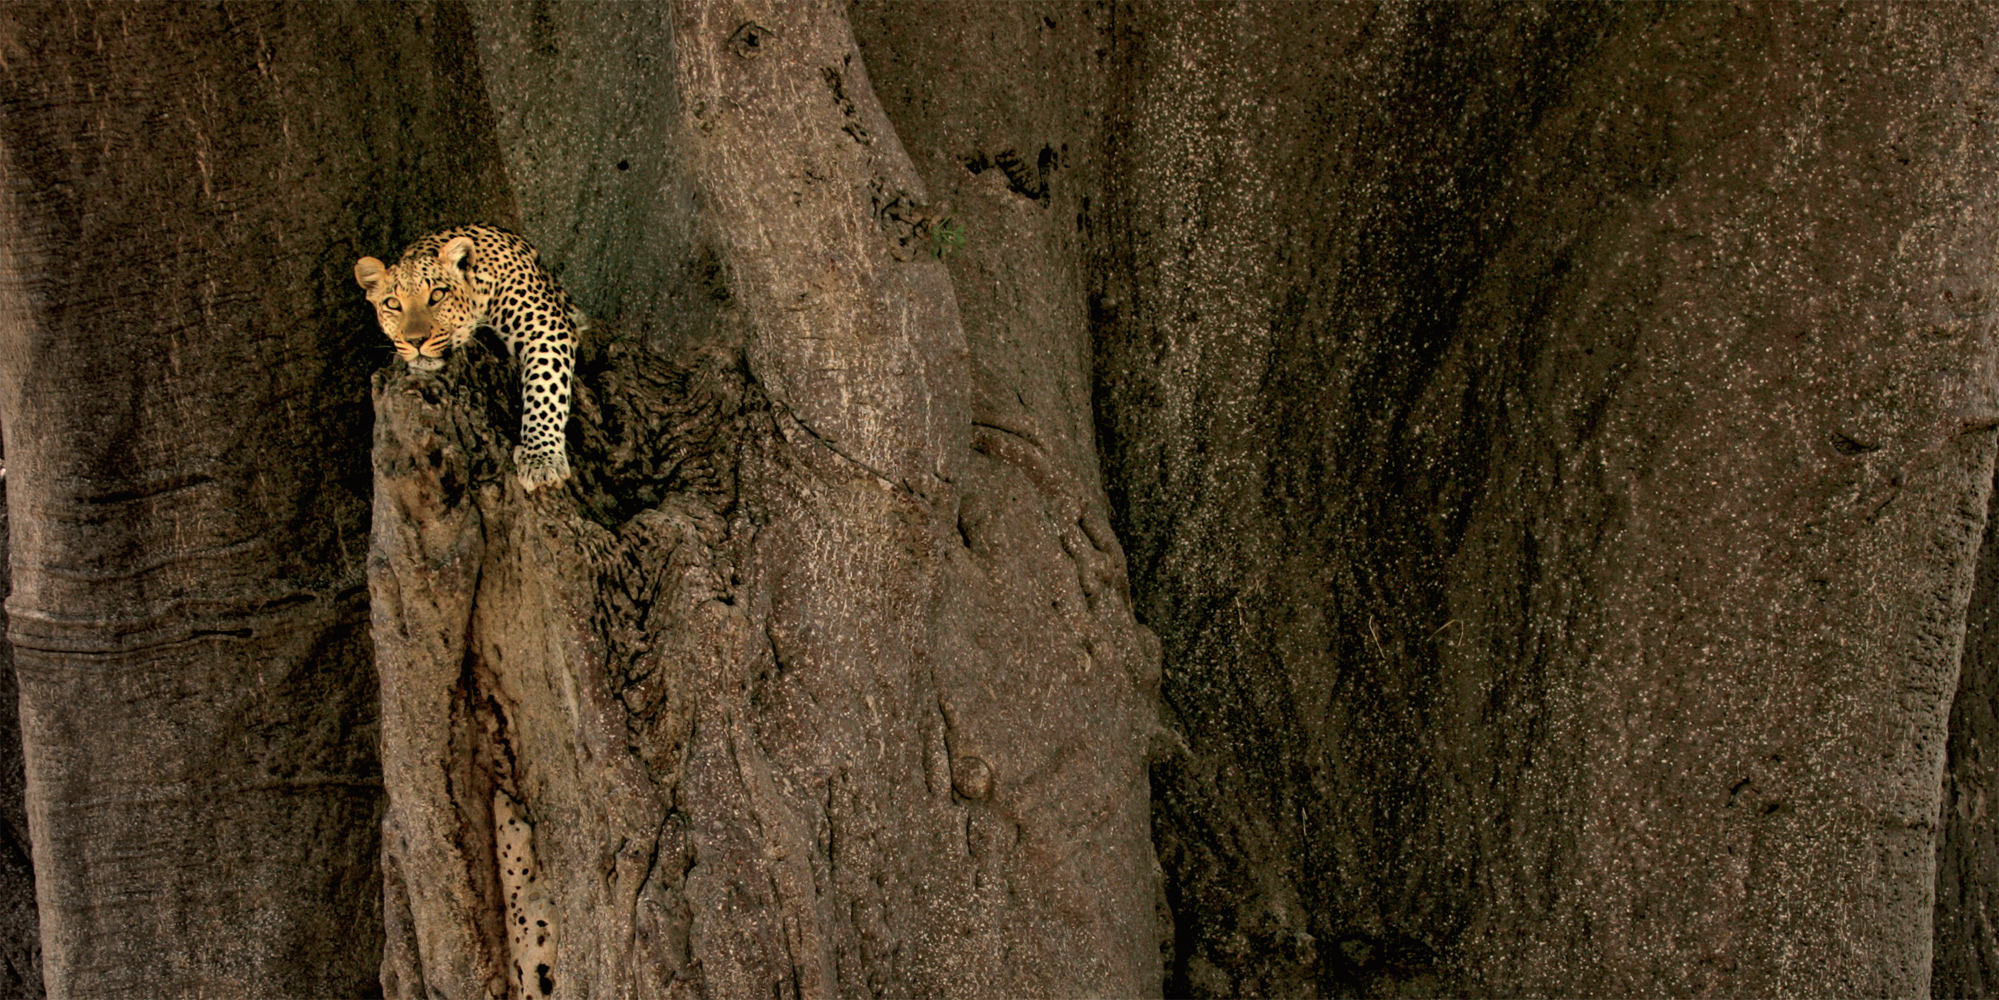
[(449, 284)]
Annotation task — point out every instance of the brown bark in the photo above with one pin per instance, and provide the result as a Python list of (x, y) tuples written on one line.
[(1552, 442), (859, 708), (20, 929), (586, 120), (1965, 962), (526, 647), (183, 191), (1556, 446)]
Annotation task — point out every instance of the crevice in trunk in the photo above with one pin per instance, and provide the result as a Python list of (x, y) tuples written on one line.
[(20, 926), (1965, 956)]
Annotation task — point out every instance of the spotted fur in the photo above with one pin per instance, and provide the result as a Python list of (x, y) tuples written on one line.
[(451, 283), (532, 919)]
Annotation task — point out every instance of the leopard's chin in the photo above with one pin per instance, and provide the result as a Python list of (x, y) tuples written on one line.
[(420, 363)]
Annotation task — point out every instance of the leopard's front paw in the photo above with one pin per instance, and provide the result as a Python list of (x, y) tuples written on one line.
[(537, 469)]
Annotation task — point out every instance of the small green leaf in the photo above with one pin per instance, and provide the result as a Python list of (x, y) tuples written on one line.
[(946, 236)]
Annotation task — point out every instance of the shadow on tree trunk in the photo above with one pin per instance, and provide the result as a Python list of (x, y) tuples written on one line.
[(20, 928)]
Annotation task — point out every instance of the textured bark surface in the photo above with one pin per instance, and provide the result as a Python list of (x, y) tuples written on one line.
[(822, 679), (183, 387), (586, 117), (1552, 448), (1966, 960), (910, 600), (1552, 442), (551, 651), (20, 929)]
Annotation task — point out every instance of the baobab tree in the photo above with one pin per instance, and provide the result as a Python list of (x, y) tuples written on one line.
[(1212, 499)]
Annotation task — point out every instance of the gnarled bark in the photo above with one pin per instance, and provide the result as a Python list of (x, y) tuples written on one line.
[(1552, 441), (821, 680)]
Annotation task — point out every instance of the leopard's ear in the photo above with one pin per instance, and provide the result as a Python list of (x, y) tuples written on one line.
[(368, 273), (455, 254)]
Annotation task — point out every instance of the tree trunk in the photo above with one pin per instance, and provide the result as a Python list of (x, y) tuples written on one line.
[(20, 929), (586, 120), (1556, 446), (821, 680), (1966, 959), (1552, 443), (183, 370)]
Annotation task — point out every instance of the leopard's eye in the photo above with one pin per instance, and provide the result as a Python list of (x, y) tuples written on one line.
[(392, 303), (436, 295)]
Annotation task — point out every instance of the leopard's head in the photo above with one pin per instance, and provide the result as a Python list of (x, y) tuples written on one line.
[(424, 303)]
